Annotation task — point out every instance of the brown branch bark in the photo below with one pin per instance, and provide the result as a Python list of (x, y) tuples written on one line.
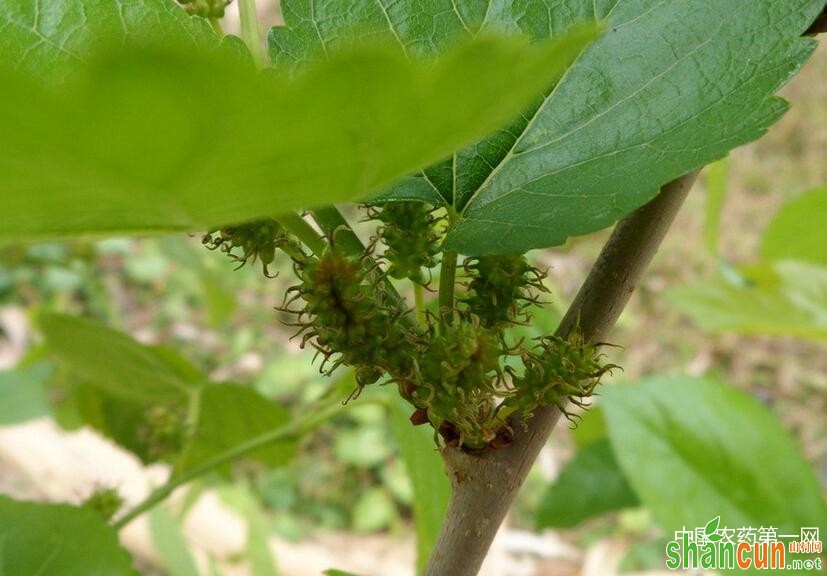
[(484, 485)]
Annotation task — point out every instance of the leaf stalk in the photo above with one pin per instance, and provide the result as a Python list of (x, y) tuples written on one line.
[(302, 230), (292, 429), (250, 30)]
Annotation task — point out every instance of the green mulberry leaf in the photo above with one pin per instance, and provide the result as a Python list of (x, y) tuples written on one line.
[(694, 449), (670, 86), (590, 485), (49, 39), (132, 117)]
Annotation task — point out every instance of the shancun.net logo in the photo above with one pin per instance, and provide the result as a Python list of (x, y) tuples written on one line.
[(714, 547)]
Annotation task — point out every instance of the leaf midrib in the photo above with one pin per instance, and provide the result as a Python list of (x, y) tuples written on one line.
[(508, 155), (512, 153)]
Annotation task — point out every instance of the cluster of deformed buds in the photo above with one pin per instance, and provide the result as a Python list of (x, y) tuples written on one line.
[(558, 371), (502, 288), (451, 366), (256, 240), (162, 432), (348, 317), (106, 502), (206, 8), (458, 377), (410, 235)]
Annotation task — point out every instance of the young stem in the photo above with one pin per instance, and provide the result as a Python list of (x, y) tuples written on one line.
[(484, 485), (299, 227), (448, 276), (193, 409), (294, 428), (447, 280), (250, 30), (216, 25), (334, 224), (419, 302)]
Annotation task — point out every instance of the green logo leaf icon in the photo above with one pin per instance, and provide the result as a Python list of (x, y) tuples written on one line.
[(710, 529)]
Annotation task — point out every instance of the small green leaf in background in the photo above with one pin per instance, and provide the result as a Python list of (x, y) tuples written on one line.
[(225, 143), (259, 553), (694, 449), (23, 393), (334, 572), (152, 431), (115, 362), (58, 540), (431, 487), (590, 428), (717, 175), (785, 298), (230, 415), (799, 230), (86, 389), (135, 395), (374, 510), (170, 544), (591, 484), (364, 446)]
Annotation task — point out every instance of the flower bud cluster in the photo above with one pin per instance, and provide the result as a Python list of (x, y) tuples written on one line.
[(558, 371), (451, 367), (348, 318), (251, 241), (206, 8), (409, 232), (501, 288), (105, 502), (457, 381)]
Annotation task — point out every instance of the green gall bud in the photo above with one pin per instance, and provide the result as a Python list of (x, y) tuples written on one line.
[(501, 287), (106, 502), (256, 240), (408, 231)]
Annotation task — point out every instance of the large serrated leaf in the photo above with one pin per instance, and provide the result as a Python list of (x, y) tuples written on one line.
[(130, 117), (669, 87), (47, 39)]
